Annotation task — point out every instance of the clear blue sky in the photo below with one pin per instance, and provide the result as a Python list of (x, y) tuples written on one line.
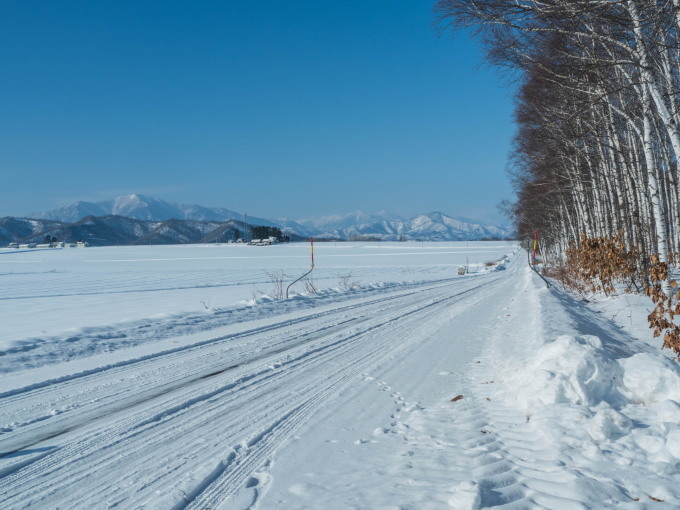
[(279, 109)]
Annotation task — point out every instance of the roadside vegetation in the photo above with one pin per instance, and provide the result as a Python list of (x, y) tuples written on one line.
[(595, 159)]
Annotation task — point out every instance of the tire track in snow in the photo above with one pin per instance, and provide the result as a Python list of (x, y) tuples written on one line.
[(508, 468), (159, 329), (139, 398), (218, 492), (505, 465), (100, 440), (475, 452), (252, 336), (35, 352), (43, 425)]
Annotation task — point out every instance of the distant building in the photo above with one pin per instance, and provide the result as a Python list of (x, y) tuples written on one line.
[(263, 242)]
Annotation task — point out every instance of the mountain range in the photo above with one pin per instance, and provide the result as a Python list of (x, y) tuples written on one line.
[(142, 207), (117, 230), (139, 219)]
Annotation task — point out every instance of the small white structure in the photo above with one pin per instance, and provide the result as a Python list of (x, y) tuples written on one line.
[(82, 244), (461, 270), (263, 242)]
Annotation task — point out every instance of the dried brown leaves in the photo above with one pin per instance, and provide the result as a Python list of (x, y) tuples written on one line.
[(599, 263)]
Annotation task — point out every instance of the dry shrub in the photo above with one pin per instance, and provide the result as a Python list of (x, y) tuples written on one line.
[(310, 285), (566, 276), (278, 280), (345, 282), (601, 262), (597, 264), (662, 318)]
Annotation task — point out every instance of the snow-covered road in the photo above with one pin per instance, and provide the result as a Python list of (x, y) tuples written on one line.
[(348, 402), (187, 425)]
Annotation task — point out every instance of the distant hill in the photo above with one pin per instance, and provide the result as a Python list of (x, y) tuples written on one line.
[(118, 230), (339, 223), (164, 224), (435, 226), (142, 207), (18, 229)]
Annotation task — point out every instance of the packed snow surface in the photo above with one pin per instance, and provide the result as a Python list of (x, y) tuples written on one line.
[(170, 378)]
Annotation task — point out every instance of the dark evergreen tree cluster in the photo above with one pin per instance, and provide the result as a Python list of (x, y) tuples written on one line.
[(265, 232)]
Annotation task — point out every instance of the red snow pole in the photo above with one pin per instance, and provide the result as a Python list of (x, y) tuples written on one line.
[(311, 246)]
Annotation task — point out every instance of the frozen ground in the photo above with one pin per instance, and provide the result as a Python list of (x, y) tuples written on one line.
[(50, 291), (418, 389)]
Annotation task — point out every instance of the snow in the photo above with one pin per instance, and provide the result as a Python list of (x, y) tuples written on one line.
[(71, 289), (417, 388)]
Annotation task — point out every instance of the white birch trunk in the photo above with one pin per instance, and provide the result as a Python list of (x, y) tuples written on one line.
[(654, 190)]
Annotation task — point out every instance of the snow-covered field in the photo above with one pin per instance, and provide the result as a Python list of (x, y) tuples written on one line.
[(165, 378), (49, 291)]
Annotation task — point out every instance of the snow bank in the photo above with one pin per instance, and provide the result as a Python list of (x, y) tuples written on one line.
[(577, 370), (650, 379), (570, 369), (578, 395)]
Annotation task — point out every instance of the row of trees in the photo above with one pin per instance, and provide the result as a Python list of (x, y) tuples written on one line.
[(264, 232), (598, 144)]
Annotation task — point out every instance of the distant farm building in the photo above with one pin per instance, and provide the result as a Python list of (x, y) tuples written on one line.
[(263, 242)]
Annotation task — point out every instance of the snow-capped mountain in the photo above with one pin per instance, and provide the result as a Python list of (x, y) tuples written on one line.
[(355, 219), (454, 229), (72, 212), (435, 226), (142, 207), (139, 207)]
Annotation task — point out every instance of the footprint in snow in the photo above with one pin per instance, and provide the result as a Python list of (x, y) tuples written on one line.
[(466, 496), (363, 440)]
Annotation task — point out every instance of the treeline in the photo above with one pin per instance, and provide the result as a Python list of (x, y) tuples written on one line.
[(265, 232), (598, 143)]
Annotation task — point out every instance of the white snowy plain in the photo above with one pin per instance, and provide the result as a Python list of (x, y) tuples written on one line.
[(167, 378)]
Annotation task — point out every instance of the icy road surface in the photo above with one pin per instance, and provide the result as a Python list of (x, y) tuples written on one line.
[(431, 394)]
